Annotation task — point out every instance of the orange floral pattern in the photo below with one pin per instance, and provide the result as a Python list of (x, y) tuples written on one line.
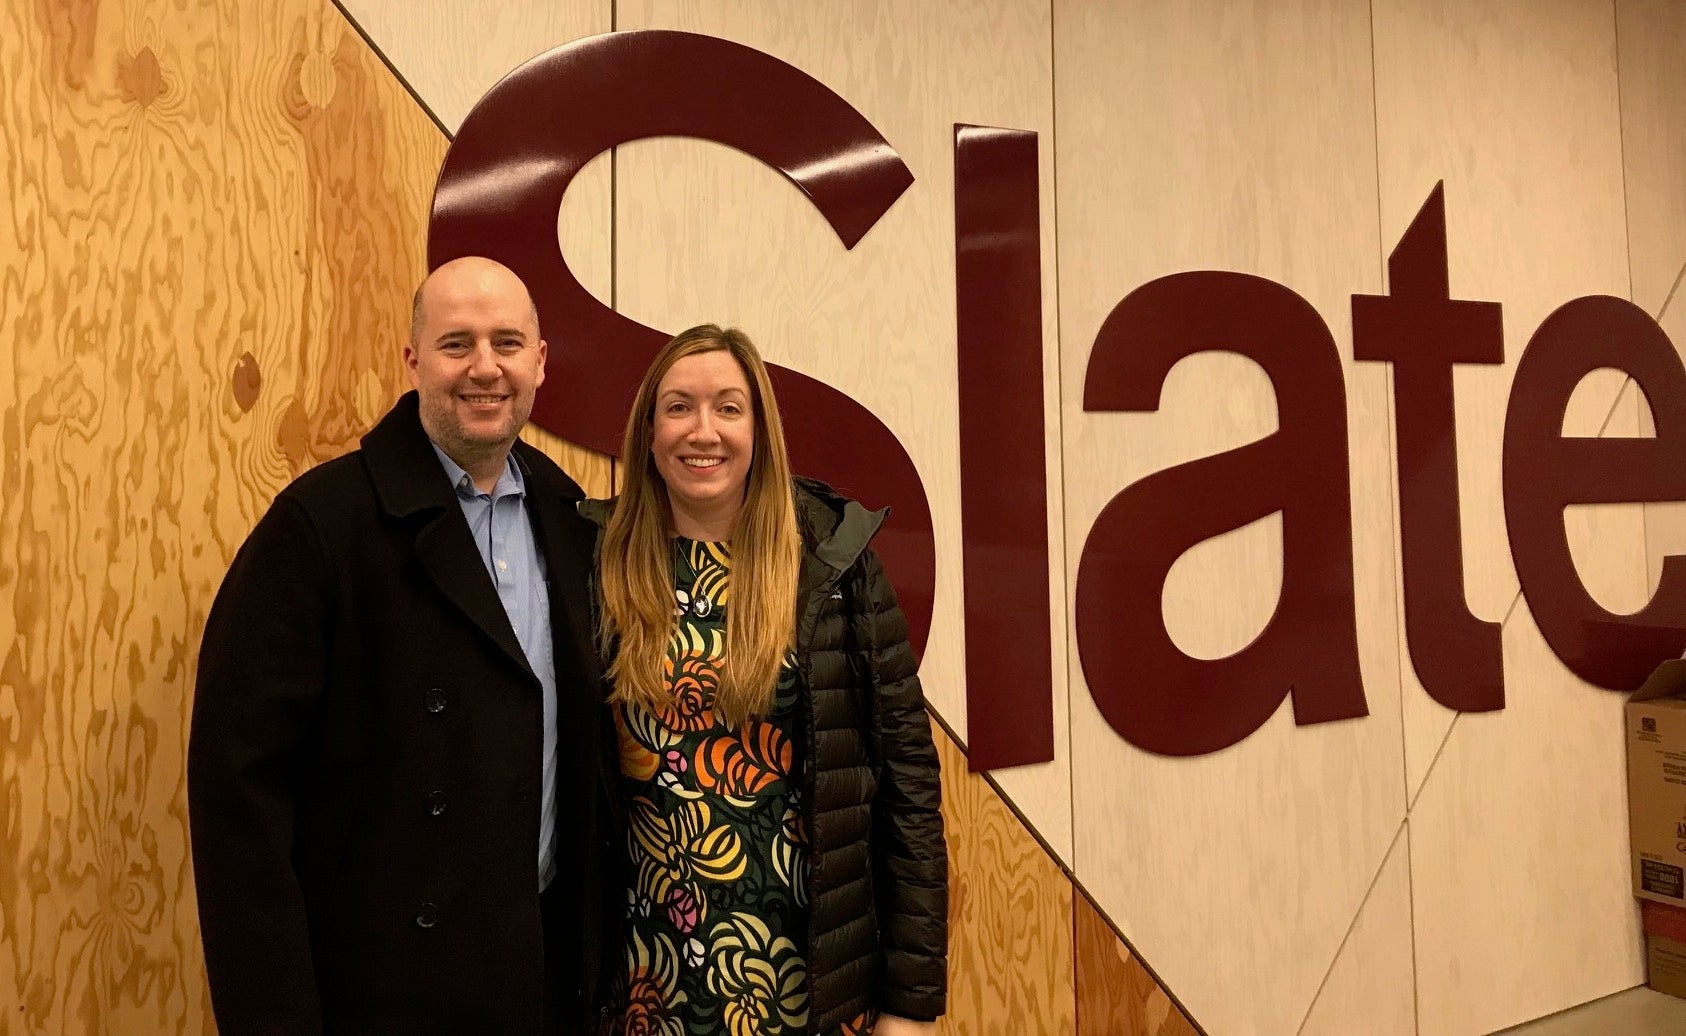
[(747, 763)]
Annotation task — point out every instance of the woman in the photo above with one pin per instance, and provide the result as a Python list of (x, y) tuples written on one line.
[(786, 857)]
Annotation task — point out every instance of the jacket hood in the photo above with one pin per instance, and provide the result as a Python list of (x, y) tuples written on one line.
[(835, 529)]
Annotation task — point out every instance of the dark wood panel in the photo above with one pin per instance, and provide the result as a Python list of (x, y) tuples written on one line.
[(1115, 995), (215, 213), (1010, 955)]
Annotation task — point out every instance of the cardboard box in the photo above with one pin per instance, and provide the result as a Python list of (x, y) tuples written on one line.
[(1656, 784), (1665, 947)]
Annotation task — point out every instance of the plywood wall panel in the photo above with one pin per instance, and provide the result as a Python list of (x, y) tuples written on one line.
[(449, 53), (1371, 986), (1010, 957), (1519, 864), (706, 233), (1235, 136), (1116, 995), (1513, 105), (214, 218), (1651, 60)]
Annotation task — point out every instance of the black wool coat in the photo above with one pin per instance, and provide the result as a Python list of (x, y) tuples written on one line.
[(364, 763)]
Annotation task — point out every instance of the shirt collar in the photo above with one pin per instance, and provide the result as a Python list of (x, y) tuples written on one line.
[(510, 482)]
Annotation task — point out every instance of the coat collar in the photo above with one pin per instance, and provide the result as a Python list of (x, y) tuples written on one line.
[(410, 483), (408, 478), (837, 528)]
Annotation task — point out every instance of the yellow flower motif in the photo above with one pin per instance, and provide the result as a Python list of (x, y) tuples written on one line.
[(712, 562), (683, 847), (653, 998), (642, 739), (759, 977), (789, 850)]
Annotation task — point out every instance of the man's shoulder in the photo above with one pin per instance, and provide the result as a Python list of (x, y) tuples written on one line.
[(332, 484)]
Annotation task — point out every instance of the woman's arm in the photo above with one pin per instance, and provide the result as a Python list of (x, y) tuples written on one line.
[(909, 854)]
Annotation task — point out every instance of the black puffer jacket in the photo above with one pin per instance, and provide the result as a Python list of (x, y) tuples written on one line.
[(878, 864), (878, 874)]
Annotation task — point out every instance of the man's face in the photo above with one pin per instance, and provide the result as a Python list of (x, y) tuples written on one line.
[(478, 358)]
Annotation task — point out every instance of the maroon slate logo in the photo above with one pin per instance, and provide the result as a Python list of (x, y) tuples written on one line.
[(518, 150)]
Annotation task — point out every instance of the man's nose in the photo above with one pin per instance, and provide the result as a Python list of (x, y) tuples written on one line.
[(484, 363)]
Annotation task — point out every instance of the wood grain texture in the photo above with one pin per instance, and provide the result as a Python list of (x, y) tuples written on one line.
[(706, 233), (592, 470), (215, 216), (1010, 909), (1116, 996), (1227, 136)]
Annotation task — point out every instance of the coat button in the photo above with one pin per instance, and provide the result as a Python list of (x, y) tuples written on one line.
[(436, 803), (427, 915), (435, 700)]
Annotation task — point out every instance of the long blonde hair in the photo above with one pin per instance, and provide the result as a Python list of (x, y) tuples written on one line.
[(636, 566)]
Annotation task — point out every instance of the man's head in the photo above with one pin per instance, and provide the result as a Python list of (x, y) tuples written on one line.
[(475, 358)]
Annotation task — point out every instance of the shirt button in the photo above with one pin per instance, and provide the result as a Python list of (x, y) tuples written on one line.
[(503, 566), (435, 699), (436, 803), (427, 915)]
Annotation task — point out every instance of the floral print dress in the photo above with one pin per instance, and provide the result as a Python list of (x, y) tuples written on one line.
[(717, 842)]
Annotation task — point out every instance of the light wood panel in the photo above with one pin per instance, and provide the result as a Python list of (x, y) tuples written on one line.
[(1371, 986), (1521, 892), (1651, 60), (1010, 908), (1512, 104), (215, 217), (450, 52), (1233, 136), (1116, 996), (1518, 832), (704, 232)]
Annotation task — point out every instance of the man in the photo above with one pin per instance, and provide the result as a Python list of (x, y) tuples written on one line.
[(398, 774)]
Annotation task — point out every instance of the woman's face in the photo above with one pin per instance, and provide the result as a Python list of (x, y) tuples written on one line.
[(703, 442)]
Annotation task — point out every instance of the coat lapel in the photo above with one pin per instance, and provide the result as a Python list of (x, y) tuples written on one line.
[(448, 554), (567, 541), (411, 485)]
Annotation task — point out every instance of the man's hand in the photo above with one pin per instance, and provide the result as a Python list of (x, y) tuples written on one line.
[(890, 1025)]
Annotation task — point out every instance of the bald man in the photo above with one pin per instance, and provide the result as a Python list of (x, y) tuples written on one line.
[(399, 761)]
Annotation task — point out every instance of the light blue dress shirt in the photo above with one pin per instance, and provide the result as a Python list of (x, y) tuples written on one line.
[(504, 534)]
